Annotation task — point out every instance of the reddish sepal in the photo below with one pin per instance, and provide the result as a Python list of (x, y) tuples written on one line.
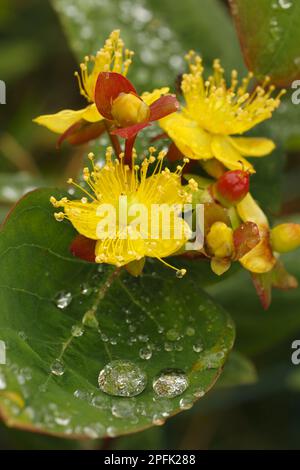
[(131, 131), (82, 132), (263, 286), (245, 238), (162, 107), (83, 248), (108, 87)]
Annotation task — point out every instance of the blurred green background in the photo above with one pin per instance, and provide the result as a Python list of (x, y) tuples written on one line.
[(256, 404)]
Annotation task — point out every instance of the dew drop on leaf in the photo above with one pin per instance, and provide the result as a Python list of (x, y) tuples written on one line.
[(198, 347), (158, 420), (111, 431), (170, 383), (285, 4), (86, 289), (122, 378), (94, 431), (63, 299), (186, 403), (123, 409), (57, 367), (2, 382), (190, 331), (172, 334), (145, 353), (77, 331)]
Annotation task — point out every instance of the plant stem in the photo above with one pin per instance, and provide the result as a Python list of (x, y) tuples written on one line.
[(114, 140)]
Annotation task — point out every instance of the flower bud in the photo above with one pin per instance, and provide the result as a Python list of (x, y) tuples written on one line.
[(232, 187), (285, 237), (220, 240), (128, 109)]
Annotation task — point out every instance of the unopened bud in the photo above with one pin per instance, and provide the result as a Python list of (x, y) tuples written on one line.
[(232, 187), (128, 109), (285, 237), (220, 240)]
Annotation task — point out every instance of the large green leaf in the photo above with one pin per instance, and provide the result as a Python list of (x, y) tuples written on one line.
[(159, 34), (55, 354), (269, 32)]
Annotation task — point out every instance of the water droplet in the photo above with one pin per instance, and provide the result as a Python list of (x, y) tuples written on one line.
[(81, 395), (285, 4), (170, 383), (77, 331), (22, 335), (168, 347), (2, 382), (198, 347), (143, 338), (112, 431), (158, 420), (62, 419), (63, 299), (199, 393), (100, 402), (172, 334), (94, 431), (190, 331), (57, 367), (86, 289), (123, 409), (145, 353), (297, 61), (122, 378), (186, 403)]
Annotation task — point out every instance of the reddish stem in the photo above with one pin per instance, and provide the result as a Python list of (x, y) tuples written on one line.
[(129, 143), (114, 140)]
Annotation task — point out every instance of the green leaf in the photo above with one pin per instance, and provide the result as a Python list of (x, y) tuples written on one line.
[(269, 32), (159, 34), (260, 330), (54, 355)]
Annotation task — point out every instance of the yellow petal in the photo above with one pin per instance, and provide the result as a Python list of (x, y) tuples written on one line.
[(249, 211), (220, 266), (83, 217), (191, 140), (228, 155), (251, 146), (60, 121), (150, 97), (260, 259), (92, 114), (161, 248)]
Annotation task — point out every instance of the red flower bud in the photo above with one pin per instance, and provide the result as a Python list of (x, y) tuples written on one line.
[(232, 187)]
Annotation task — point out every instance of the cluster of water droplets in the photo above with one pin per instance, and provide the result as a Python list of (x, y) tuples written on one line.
[(158, 52)]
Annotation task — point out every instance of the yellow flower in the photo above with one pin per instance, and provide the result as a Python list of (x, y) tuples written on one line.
[(214, 114), (117, 186), (113, 57)]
